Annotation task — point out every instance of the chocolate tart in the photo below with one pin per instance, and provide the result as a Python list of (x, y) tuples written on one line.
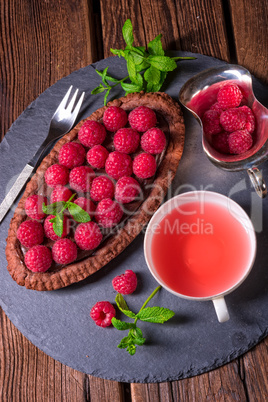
[(169, 113)]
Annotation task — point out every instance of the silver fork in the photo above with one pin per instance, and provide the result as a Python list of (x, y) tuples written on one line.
[(61, 122)]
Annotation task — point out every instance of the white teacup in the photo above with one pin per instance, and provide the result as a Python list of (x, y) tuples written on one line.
[(199, 267)]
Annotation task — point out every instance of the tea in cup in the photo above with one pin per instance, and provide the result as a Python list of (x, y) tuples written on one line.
[(200, 245)]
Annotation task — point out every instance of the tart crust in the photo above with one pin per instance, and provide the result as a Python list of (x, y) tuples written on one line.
[(77, 271)]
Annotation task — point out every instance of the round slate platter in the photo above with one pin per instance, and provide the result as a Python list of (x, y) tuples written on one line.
[(193, 341)]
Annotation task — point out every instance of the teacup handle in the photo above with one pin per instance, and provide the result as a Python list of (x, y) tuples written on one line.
[(221, 309), (257, 181)]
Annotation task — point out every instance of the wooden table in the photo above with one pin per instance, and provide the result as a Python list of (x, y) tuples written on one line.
[(45, 40)]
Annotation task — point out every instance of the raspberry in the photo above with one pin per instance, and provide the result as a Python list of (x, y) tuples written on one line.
[(102, 187), (86, 204), (216, 106), (126, 140), (72, 154), (114, 118), (232, 120), (57, 175), (240, 141), (80, 178), (91, 133), (125, 283), (64, 251), (220, 142), (118, 165), (88, 235), (48, 228), (60, 193), (211, 122), (229, 95), (38, 259), (108, 213), (30, 233), (153, 141), (250, 119), (102, 313), (142, 118), (144, 166), (97, 156), (33, 206), (126, 190)]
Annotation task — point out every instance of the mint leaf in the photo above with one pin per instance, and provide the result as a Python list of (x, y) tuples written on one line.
[(118, 52), (54, 208), (152, 75), (155, 47), (127, 31), (125, 342), (57, 224), (130, 87), (77, 212), (131, 349), (106, 97), (122, 325), (137, 337), (155, 314), (98, 90), (162, 63), (122, 305), (131, 68)]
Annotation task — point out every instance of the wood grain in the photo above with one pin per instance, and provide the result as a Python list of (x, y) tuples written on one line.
[(196, 26), (249, 19)]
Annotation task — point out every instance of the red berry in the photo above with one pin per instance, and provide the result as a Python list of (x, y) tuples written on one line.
[(97, 156), (49, 231), (108, 213), (88, 235), (142, 118), (216, 106), (211, 122), (144, 166), (125, 283), (30, 233), (91, 133), (250, 119), (64, 251), (127, 189), (102, 313), (229, 96), (57, 175), (102, 187), (233, 119), (80, 178), (72, 154), (38, 259), (118, 165), (33, 206), (240, 141), (220, 142), (86, 204), (60, 193), (153, 141), (126, 140), (114, 118)]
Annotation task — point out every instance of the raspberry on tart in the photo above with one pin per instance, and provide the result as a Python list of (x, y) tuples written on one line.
[(91, 133), (108, 213), (57, 175), (127, 189), (80, 178), (88, 235), (126, 140), (33, 206), (142, 118), (60, 193), (144, 165), (118, 165), (64, 251), (30, 233), (72, 154), (153, 141), (102, 187), (114, 118), (49, 231), (38, 258), (97, 156)]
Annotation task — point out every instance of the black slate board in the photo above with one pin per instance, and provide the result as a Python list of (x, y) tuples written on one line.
[(192, 342)]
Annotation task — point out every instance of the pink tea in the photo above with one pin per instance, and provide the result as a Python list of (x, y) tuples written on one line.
[(200, 249)]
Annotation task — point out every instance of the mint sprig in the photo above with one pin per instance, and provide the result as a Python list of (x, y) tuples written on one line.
[(147, 69), (58, 208), (149, 314)]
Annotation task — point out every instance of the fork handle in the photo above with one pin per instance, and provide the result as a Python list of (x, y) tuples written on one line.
[(15, 190)]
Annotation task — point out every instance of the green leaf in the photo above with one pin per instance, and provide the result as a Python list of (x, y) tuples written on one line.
[(106, 96), (138, 55), (122, 325), (142, 66), (54, 208), (127, 31), (155, 314), (104, 73), (118, 52), (131, 68), (57, 224), (156, 87), (131, 349), (77, 212), (130, 87), (98, 90), (137, 337), (155, 47), (152, 75), (122, 305), (124, 342), (162, 63)]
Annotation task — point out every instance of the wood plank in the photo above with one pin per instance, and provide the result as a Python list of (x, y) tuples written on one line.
[(105, 390), (40, 42), (185, 25), (152, 392), (250, 29)]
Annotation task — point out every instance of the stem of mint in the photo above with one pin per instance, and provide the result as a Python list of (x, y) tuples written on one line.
[(147, 301)]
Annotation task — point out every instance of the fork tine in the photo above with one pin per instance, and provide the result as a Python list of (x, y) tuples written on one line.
[(64, 100), (79, 103), (72, 101)]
